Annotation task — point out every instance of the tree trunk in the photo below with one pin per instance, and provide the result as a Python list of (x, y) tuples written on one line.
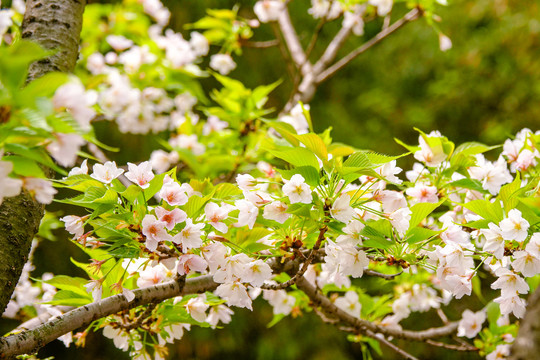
[(54, 24), (527, 343)]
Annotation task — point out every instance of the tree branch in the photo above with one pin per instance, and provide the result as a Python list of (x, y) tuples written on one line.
[(332, 49), (330, 309), (395, 348), (527, 343), (293, 43), (329, 72), (31, 340)]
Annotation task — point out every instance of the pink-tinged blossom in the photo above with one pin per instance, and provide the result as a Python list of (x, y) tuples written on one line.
[(511, 303), (189, 263), (248, 213), (258, 198), (196, 307), (154, 230), (106, 172), (297, 190), (10, 187), (492, 175), (83, 170), (526, 263), (533, 246), (509, 282), (268, 10), (383, 6), (190, 236), (352, 234), (152, 276), (96, 288), (232, 269), (455, 233), (215, 254), (277, 211), (354, 21), (140, 174), (73, 98), (119, 42), (389, 171), (189, 142), (42, 190), (74, 225), (161, 160), (266, 168), (119, 336), (423, 193), (341, 209), (426, 154), (222, 63), (501, 352), (459, 285), (256, 273), (511, 149), (525, 160), (391, 200), (281, 302), (416, 173), (445, 43), (471, 323), (246, 182), (235, 293), (173, 194), (400, 220), (494, 240), (215, 214), (170, 217), (214, 124), (219, 313), (349, 303), (514, 227), (65, 147)]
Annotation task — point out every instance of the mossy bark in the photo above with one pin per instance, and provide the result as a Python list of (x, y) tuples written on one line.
[(55, 25)]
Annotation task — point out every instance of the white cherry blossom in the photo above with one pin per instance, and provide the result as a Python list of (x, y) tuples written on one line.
[(140, 174), (514, 227), (297, 190), (107, 172)]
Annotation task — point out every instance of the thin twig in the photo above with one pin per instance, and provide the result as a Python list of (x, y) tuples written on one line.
[(370, 272), (315, 36), (410, 16), (395, 348), (332, 49), (304, 267), (261, 44), (283, 50), (452, 347)]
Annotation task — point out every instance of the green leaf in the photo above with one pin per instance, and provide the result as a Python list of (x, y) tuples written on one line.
[(14, 62), (296, 156), (131, 193), (314, 143), (489, 211), (37, 154), (477, 288), (509, 194), (358, 160), (277, 318), (25, 167), (493, 311), (73, 284), (110, 197), (227, 190), (300, 209), (471, 184), (420, 211), (309, 173), (70, 298), (418, 234), (465, 150), (44, 86), (284, 129)]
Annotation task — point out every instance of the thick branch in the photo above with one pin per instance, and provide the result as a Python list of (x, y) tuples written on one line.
[(326, 74), (54, 25), (292, 41), (330, 309), (29, 341), (527, 343)]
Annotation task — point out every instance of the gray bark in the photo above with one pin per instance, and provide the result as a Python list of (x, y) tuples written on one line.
[(527, 343), (55, 25)]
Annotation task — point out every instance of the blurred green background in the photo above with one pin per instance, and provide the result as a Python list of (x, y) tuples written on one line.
[(485, 88)]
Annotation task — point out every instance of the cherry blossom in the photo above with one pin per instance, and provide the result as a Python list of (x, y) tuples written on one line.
[(352, 233), (423, 193), (277, 211), (471, 323), (190, 236), (268, 10), (196, 307), (494, 240), (41, 189), (74, 225), (222, 63), (140, 174), (172, 217), (82, 170), (349, 303), (173, 194), (341, 209), (155, 232), (281, 302), (514, 227), (235, 293), (65, 147), (10, 186), (219, 313), (526, 263), (107, 172), (248, 213), (215, 214), (297, 190), (509, 282)]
